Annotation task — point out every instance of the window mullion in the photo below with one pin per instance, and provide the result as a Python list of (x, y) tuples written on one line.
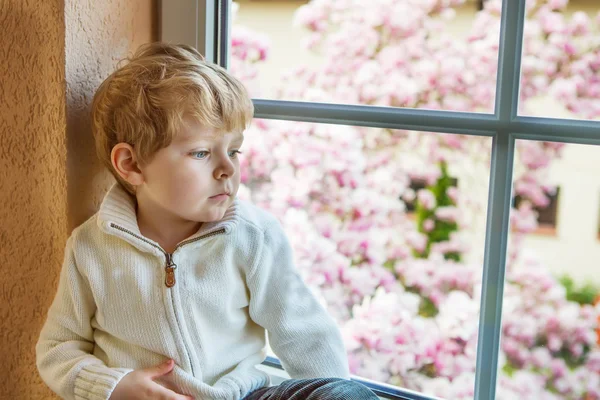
[(224, 32), (179, 22), (509, 59), (206, 29), (378, 117), (499, 199), (496, 237), (557, 130)]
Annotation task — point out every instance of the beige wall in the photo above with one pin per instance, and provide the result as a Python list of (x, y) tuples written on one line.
[(53, 54)]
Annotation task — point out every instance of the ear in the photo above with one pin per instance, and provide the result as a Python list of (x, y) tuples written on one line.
[(124, 161)]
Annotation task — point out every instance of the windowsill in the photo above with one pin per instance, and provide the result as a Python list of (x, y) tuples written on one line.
[(543, 230), (277, 375), (273, 367)]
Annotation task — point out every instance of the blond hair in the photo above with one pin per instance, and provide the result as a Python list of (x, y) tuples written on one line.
[(144, 102)]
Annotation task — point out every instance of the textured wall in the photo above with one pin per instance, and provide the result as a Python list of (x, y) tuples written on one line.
[(98, 35), (53, 54), (33, 203)]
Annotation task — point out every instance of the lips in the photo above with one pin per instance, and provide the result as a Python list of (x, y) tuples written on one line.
[(220, 195)]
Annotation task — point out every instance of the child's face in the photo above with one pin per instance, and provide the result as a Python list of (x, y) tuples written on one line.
[(196, 177)]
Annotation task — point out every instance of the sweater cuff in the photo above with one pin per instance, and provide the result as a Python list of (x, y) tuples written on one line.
[(97, 382)]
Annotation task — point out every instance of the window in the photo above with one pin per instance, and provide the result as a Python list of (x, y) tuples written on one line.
[(546, 213), (510, 145)]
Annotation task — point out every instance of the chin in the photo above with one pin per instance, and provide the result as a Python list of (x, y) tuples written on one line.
[(213, 213), (214, 216)]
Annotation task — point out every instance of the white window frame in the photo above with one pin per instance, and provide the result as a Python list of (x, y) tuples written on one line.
[(205, 24)]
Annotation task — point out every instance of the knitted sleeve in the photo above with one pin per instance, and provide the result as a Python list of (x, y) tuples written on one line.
[(301, 332), (63, 350)]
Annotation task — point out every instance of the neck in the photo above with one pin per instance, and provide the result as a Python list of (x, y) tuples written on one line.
[(167, 231)]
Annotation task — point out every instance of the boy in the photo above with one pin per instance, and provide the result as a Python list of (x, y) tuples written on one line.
[(173, 267)]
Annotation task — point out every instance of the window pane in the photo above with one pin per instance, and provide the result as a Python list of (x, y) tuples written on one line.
[(439, 54), (403, 286), (550, 347), (560, 74)]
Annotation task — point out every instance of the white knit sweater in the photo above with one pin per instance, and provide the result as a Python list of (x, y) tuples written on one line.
[(234, 279)]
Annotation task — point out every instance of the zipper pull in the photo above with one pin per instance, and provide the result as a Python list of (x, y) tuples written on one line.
[(170, 269)]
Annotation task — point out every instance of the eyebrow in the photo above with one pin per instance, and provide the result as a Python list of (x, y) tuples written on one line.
[(192, 140)]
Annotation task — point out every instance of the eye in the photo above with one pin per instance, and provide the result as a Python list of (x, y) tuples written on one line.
[(199, 154), (234, 153)]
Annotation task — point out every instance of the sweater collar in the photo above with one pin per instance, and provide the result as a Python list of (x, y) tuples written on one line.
[(117, 216)]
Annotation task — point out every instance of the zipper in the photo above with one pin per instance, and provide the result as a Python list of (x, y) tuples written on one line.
[(170, 266), (170, 270)]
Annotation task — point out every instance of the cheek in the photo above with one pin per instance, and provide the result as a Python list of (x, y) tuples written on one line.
[(190, 183), (177, 182), (238, 171), (182, 193)]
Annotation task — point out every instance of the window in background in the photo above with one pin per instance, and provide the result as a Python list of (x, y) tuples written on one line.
[(547, 212)]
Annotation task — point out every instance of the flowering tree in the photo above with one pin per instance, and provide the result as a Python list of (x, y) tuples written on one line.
[(401, 289)]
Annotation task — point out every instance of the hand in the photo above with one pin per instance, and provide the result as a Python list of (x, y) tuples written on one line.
[(139, 384)]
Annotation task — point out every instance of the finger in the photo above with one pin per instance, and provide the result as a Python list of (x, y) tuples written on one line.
[(166, 394), (166, 381), (160, 369)]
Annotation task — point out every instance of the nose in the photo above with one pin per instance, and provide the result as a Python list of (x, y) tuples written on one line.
[(225, 168)]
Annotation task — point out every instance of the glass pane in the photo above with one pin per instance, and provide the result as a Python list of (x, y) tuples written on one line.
[(560, 74), (438, 54), (550, 348), (404, 286)]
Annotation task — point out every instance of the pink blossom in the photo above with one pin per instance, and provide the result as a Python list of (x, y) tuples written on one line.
[(426, 199), (448, 213), (428, 225)]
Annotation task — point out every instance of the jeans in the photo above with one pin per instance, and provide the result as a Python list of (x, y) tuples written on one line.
[(314, 389)]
